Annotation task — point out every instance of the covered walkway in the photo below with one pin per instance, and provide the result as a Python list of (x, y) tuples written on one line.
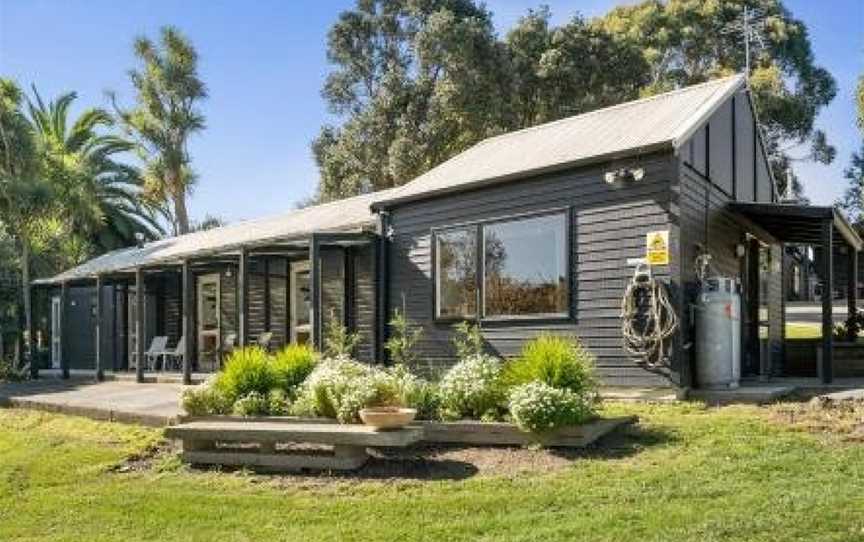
[(822, 227)]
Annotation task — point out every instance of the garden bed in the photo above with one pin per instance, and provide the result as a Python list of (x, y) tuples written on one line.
[(476, 433)]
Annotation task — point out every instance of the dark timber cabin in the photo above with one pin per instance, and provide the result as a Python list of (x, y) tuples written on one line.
[(528, 232)]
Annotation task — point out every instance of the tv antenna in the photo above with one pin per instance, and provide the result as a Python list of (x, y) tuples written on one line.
[(750, 28)]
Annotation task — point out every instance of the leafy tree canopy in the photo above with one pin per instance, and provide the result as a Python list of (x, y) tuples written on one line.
[(417, 81), (165, 116), (691, 41), (420, 81)]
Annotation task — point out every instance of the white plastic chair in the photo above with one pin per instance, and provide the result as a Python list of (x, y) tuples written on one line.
[(158, 348), (175, 355), (264, 340)]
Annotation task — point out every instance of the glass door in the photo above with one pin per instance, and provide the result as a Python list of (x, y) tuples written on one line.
[(301, 303), (208, 320)]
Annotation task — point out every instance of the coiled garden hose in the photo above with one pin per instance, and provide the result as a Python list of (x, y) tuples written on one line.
[(648, 317)]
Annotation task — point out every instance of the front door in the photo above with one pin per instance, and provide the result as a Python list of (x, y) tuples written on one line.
[(55, 333), (209, 320), (301, 303)]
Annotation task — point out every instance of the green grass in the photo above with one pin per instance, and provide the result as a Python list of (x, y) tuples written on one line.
[(690, 474), (802, 330)]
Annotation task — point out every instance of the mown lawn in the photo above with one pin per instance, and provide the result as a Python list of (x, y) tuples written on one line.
[(689, 473)]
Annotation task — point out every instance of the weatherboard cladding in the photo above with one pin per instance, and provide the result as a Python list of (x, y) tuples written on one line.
[(608, 226)]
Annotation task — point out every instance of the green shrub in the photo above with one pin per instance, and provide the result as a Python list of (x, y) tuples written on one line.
[(252, 404), (278, 403), (402, 340), (468, 340), (340, 387), (415, 392), (10, 373), (557, 361), (338, 341), (473, 389), (538, 407), (205, 400), (292, 365), (247, 370)]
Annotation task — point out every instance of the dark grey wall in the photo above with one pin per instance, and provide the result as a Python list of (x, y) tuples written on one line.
[(609, 224), (702, 223)]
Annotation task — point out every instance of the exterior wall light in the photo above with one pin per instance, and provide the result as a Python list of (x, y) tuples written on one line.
[(624, 174)]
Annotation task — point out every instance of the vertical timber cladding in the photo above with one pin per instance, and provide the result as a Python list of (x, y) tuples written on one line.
[(609, 225), (362, 286), (735, 169)]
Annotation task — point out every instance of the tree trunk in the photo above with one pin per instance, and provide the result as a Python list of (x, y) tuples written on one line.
[(25, 288), (178, 192), (181, 215)]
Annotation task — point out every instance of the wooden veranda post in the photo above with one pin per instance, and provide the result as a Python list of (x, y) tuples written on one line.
[(243, 298), (852, 289), (31, 339), (188, 311), (315, 287), (139, 324), (827, 365), (100, 321), (64, 337)]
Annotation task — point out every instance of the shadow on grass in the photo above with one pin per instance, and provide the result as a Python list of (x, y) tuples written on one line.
[(626, 442)]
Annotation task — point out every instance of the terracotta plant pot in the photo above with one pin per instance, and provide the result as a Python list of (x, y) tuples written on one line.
[(387, 417)]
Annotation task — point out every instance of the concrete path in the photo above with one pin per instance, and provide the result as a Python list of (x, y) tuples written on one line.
[(156, 405)]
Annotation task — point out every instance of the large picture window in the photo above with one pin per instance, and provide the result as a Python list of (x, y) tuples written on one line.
[(523, 269), (456, 273)]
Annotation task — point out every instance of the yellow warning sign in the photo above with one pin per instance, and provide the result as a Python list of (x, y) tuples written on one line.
[(657, 247)]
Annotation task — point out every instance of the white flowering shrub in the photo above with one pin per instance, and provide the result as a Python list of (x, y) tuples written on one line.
[(252, 404), (472, 389), (538, 407), (340, 387), (205, 399)]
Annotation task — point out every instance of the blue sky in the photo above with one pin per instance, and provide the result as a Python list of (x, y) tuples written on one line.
[(264, 63)]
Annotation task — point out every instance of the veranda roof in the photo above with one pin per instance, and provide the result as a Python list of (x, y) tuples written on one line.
[(348, 215)]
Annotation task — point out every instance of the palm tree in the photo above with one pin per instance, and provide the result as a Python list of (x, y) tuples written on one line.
[(101, 197), (166, 115)]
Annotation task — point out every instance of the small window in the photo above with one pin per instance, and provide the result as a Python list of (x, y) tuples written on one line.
[(456, 273), (525, 267)]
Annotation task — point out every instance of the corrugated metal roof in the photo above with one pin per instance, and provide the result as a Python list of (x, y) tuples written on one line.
[(351, 214), (664, 120)]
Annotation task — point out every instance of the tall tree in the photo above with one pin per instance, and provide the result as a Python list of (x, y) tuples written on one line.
[(100, 196), (418, 82), (167, 113), (407, 76), (25, 199), (690, 41), (568, 70)]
